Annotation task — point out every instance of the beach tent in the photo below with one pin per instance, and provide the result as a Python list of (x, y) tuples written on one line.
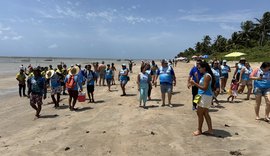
[(235, 54), (204, 56)]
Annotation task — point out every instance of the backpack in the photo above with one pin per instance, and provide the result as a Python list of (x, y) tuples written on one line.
[(70, 84)]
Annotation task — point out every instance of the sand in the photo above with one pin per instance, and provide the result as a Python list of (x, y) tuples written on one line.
[(116, 126)]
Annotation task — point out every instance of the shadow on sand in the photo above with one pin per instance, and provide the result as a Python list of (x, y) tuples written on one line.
[(83, 109), (218, 133), (48, 116)]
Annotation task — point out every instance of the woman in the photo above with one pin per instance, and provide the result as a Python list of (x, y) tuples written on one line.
[(151, 74), (206, 85), (238, 68), (123, 78), (143, 81), (113, 70), (261, 77), (225, 69), (216, 71), (108, 76), (245, 80)]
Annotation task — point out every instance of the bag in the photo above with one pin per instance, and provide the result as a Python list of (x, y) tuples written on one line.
[(70, 84), (128, 78), (197, 99)]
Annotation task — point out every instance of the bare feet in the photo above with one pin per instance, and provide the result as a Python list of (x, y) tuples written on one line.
[(196, 133)]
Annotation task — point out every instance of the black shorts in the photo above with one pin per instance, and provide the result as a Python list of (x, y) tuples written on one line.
[(90, 88), (73, 94)]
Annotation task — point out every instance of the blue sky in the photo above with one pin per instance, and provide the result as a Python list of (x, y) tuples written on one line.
[(142, 29)]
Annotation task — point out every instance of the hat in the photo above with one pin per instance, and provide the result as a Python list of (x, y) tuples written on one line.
[(108, 65), (74, 70), (124, 65), (242, 59), (49, 74), (224, 61), (164, 61)]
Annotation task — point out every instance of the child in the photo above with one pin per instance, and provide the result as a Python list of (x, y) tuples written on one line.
[(233, 90)]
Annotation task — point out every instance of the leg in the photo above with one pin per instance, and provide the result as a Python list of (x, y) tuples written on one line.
[(163, 99), (225, 82), (194, 93), (257, 106), (208, 121), (75, 97), (149, 91), (24, 90), (38, 110), (267, 107), (20, 90), (58, 99), (141, 96), (92, 94), (200, 121), (69, 100), (222, 84), (249, 91), (145, 94), (54, 100), (169, 97)]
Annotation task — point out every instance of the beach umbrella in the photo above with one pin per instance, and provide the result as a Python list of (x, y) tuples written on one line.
[(235, 54)]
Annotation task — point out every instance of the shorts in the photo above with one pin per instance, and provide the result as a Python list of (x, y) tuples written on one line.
[(225, 75), (217, 84), (166, 88), (206, 101), (56, 90), (123, 82), (261, 91), (73, 93), (246, 82), (108, 81), (234, 93), (237, 76), (90, 88), (35, 99), (102, 75)]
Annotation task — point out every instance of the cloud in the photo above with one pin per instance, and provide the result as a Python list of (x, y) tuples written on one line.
[(2, 28), (5, 38), (227, 27), (16, 37), (135, 20), (233, 17), (106, 15), (67, 12), (53, 46)]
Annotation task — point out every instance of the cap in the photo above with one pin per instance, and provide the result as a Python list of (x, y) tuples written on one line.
[(242, 59), (124, 65), (224, 61)]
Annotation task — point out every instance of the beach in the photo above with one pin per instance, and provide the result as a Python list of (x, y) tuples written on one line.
[(116, 126)]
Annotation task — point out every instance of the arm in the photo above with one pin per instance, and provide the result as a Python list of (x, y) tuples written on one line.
[(229, 69), (235, 72), (138, 81), (45, 89)]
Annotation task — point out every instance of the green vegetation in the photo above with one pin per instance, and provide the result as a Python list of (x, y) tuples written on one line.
[(253, 39)]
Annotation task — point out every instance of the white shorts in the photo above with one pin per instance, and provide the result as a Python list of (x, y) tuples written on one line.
[(206, 101)]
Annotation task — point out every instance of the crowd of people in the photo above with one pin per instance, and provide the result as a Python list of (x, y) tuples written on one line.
[(207, 80)]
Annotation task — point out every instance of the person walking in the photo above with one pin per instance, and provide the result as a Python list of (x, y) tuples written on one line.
[(74, 86), (261, 77), (244, 80), (55, 83), (195, 75), (225, 69), (123, 78), (167, 79), (143, 81), (38, 90), (90, 83), (108, 76), (206, 85)]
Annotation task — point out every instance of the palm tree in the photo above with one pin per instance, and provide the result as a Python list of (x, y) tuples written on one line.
[(263, 28)]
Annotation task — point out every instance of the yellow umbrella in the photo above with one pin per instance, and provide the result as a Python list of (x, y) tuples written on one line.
[(235, 54)]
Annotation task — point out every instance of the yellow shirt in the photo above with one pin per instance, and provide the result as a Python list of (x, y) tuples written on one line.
[(21, 78)]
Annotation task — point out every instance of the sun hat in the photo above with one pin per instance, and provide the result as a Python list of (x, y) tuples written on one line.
[(224, 61), (74, 70), (242, 59), (49, 74)]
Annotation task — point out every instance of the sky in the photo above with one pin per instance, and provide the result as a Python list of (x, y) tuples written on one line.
[(136, 29)]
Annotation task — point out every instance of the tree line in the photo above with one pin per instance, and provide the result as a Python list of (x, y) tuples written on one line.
[(252, 34)]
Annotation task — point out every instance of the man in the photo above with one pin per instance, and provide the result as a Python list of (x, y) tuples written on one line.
[(21, 79), (195, 75), (167, 80), (55, 83), (38, 90), (102, 71), (74, 86)]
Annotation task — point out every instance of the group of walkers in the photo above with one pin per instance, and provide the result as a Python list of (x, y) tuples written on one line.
[(208, 80)]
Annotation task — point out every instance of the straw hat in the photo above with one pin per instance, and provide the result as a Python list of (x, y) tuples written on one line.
[(74, 70), (49, 74)]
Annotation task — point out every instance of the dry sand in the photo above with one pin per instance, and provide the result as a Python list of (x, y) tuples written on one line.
[(117, 126)]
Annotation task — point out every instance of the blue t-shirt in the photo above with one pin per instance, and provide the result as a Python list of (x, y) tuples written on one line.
[(37, 85), (225, 69), (240, 66), (265, 82), (165, 75), (55, 81), (246, 74), (193, 72), (144, 80), (150, 73), (108, 74), (90, 77), (77, 80), (216, 73), (209, 91), (122, 76)]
